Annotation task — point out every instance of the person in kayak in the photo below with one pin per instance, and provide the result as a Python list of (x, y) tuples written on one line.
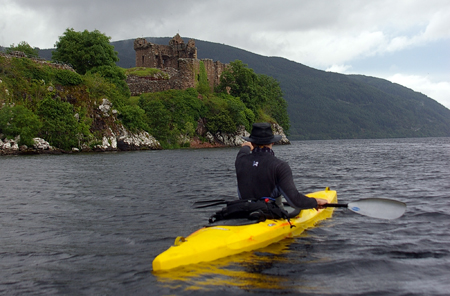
[(261, 175)]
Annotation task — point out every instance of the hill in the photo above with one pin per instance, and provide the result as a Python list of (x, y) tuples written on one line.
[(326, 105)]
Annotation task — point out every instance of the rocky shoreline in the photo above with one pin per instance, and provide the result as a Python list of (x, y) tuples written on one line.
[(142, 141), (124, 140)]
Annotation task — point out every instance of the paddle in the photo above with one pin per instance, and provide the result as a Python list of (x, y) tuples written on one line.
[(208, 203), (372, 207), (375, 207)]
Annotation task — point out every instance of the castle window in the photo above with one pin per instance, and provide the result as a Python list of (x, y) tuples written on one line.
[(143, 58)]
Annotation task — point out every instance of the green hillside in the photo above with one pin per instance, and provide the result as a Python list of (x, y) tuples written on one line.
[(88, 105), (325, 105)]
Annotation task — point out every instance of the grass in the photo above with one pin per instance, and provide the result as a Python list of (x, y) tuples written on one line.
[(146, 72)]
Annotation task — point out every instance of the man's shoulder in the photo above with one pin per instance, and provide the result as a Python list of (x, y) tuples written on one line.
[(245, 150), (281, 164)]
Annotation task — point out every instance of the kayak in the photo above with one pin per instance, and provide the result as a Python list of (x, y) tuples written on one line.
[(217, 241)]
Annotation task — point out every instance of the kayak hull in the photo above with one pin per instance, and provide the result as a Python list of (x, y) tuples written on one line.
[(214, 242)]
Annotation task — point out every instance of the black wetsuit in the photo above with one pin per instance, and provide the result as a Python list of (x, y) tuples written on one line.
[(260, 174)]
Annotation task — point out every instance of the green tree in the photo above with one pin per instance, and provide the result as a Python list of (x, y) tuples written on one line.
[(133, 117), (260, 93), (241, 82), (219, 118), (85, 50), (60, 127), (158, 120), (19, 120), (239, 113), (172, 113), (25, 48), (276, 105)]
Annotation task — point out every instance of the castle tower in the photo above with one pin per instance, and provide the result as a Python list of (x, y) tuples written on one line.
[(178, 60), (163, 56)]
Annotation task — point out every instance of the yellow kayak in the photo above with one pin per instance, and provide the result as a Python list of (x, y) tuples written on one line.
[(214, 242)]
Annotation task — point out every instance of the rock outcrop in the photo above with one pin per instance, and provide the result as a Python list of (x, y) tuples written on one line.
[(229, 139), (126, 141), (40, 146)]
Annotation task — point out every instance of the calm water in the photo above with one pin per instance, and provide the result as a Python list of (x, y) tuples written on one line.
[(91, 224)]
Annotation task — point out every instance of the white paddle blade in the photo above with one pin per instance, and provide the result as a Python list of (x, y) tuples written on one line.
[(378, 208)]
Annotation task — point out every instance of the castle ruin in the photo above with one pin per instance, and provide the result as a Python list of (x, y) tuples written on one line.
[(178, 60)]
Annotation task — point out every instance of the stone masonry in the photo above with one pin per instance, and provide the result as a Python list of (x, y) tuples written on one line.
[(178, 60)]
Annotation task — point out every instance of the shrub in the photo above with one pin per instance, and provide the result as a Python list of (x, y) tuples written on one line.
[(133, 117), (67, 77), (115, 75), (19, 120), (25, 48), (59, 124), (221, 122)]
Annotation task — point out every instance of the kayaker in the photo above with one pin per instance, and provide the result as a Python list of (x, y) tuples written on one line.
[(261, 175)]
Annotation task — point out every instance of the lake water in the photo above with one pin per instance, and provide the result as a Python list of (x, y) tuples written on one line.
[(91, 224)]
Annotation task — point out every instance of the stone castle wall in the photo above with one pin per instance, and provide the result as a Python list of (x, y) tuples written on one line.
[(178, 60), (214, 71), (163, 56)]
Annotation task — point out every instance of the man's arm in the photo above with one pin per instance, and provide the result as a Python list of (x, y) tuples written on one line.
[(249, 144), (290, 192)]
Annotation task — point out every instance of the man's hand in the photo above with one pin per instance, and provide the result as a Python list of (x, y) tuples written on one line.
[(320, 203), (249, 144)]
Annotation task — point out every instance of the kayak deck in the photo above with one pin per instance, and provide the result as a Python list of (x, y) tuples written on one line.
[(214, 242)]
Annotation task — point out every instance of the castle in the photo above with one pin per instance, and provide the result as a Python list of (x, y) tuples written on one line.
[(178, 60)]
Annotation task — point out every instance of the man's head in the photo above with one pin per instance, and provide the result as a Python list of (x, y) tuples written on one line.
[(262, 134)]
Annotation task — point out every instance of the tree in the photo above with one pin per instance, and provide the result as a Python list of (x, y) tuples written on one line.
[(25, 48), (19, 120), (60, 127), (276, 105), (260, 93), (242, 83), (133, 117), (85, 50)]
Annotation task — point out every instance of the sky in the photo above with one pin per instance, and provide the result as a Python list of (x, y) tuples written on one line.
[(404, 41)]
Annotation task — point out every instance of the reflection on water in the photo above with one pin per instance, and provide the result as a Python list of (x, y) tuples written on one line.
[(245, 270)]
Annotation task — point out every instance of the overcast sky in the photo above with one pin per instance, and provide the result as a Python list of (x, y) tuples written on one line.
[(404, 41)]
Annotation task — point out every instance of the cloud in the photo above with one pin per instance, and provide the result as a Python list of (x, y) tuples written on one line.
[(333, 35), (439, 91), (339, 68), (436, 29), (436, 90)]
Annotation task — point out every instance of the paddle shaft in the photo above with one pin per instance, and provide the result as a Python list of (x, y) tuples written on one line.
[(373, 207), (336, 205)]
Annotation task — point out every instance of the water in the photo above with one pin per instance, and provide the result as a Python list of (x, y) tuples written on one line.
[(91, 224)]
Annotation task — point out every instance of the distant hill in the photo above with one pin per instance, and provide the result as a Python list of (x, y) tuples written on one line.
[(326, 105)]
